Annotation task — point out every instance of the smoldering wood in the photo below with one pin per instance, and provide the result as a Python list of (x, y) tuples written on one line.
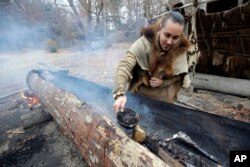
[(139, 135), (185, 155), (168, 158), (215, 134), (220, 84), (155, 148), (35, 117), (100, 141)]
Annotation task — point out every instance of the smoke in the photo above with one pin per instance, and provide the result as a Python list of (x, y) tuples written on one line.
[(25, 32), (17, 36)]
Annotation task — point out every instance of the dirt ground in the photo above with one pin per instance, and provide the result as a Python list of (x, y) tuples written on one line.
[(45, 145), (40, 145)]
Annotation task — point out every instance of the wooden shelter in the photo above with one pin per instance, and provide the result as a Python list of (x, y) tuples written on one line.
[(219, 33), (223, 33)]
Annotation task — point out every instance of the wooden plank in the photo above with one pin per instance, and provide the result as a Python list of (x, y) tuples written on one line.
[(226, 85)]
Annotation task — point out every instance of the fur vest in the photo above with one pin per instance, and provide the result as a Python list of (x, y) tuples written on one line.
[(157, 63)]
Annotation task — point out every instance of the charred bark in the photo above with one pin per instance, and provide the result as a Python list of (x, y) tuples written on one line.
[(36, 117), (100, 141), (214, 134)]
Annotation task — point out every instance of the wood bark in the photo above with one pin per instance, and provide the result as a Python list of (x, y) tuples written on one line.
[(226, 85), (100, 141)]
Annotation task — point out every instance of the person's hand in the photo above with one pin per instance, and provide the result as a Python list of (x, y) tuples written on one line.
[(155, 82), (119, 103)]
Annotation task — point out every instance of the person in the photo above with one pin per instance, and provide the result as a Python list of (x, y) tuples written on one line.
[(155, 65)]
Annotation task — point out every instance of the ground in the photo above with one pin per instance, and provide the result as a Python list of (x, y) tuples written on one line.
[(45, 145), (41, 145)]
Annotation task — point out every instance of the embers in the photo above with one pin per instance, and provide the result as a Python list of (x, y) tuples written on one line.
[(30, 97)]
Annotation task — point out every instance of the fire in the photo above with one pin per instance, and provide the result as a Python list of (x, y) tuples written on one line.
[(32, 99)]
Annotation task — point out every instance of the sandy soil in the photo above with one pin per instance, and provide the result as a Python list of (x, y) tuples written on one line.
[(52, 148)]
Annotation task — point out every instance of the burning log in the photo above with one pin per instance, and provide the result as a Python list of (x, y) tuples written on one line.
[(32, 99), (102, 143), (35, 117), (37, 114)]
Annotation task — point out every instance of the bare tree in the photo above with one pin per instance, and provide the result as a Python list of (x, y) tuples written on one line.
[(81, 19), (79, 22), (98, 4), (87, 6)]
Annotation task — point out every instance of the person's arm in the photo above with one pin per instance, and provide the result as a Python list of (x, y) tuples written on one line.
[(123, 76)]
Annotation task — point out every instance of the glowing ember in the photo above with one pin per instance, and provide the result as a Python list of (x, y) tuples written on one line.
[(32, 99)]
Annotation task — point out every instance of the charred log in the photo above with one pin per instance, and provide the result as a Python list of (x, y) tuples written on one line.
[(214, 134), (36, 117)]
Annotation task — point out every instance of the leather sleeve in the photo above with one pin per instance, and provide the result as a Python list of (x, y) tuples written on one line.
[(124, 74)]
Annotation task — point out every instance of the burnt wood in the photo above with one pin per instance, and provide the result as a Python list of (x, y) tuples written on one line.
[(155, 148), (215, 134), (35, 117)]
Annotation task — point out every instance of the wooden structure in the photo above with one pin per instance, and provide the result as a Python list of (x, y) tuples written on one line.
[(219, 35), (83, 109), (223, 33)]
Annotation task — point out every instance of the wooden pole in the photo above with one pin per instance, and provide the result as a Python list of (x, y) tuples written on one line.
[(226, 85)]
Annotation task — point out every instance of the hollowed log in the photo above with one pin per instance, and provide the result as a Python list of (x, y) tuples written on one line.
[(102, 142)]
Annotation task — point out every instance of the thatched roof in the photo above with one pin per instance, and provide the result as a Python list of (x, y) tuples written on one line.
[(224, 42)]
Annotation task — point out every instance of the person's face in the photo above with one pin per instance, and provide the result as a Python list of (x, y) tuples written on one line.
[(170, 34)]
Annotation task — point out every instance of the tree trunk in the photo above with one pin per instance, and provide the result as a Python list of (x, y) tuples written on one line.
[(99, 140), (79, 22), (221, 84)]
